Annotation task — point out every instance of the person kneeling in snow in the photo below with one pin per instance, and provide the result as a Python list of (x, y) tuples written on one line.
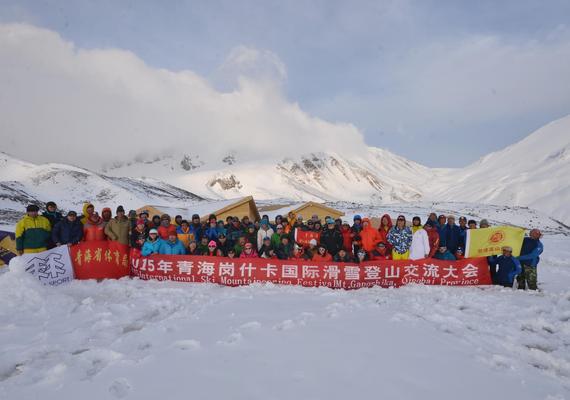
[(504, 268), (172, 246), (444, 254)]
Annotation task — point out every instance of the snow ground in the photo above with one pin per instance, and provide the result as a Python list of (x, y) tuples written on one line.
[(141, 340)]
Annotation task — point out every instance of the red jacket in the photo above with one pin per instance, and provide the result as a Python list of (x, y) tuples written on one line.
[(94, 229), (433, 237), (346, 238), (164, 231), (383, 231), (317, 257)]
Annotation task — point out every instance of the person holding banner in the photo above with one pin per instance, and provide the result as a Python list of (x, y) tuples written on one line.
[(531, 250), (33, 232), (67, 231), (322, 254), (451, 236), (400, 237), (118, 229), (172, 246), (504, 268)]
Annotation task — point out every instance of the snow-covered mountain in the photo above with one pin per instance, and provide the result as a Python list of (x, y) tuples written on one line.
[(374, 176), (22, 183), (533, 172)]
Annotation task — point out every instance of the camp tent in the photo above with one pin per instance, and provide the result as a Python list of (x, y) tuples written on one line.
[(159, 210), (234, 208), (307, 210)]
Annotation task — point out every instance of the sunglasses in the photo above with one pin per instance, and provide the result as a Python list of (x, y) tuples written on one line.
[(400, 219), (212, 247)]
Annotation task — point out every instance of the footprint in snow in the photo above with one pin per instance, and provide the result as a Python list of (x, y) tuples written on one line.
[(189, 344), (120, 388)]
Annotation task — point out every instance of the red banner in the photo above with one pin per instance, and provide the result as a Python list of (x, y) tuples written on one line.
[(304, 237), (100, 260), (235, 272)]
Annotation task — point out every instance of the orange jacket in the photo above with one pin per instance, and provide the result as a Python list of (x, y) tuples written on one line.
[(370, 236), (318, 257)]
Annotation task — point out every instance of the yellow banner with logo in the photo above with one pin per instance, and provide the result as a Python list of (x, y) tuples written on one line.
[(489, 241)]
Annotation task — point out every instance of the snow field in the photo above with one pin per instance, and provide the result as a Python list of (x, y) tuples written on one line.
[(144, 339)]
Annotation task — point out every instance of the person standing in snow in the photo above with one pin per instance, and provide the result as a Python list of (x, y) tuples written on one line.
[(67, 231), (264, 231), (172, 246), (370, 237), (331, 238), (433, 237), (420, 247), (88, 210), (33, 232), (400, 237), (53, 216), (451, 236), (118, 229), (384, 228), (531, 250), (94, 228), (504, 268)]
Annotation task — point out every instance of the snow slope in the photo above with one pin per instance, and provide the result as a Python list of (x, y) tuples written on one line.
[(131, 339), (22, 183), (533, 172)]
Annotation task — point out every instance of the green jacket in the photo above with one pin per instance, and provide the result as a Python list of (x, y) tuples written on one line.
[(32, 234)]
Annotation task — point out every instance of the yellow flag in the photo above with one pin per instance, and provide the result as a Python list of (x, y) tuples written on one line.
[(489, 241)]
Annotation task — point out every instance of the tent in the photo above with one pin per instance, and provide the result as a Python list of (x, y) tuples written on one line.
[(240, 208), (307, 210)]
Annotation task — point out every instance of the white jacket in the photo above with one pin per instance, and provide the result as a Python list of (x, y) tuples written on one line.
[(420, 245), (261, 234)]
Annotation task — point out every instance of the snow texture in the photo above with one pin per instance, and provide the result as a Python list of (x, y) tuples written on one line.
[(138, 339)]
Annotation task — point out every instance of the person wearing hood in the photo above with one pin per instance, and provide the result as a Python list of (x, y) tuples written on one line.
[(384, 228), (155, 222), (420, 247), (433, 237), (94, 228), (117, 230), (139, 234), (172, 246), (183, 232), (346, 235), (504, 268), (264, 231), (52, 214), (211, 231), (67, 231), (529, 257), (33, 232), (248, 251), (380, 253), (331, 237), (400, 237), (356, 224), (370, 236), (322, 254), (152, 244), (106, 215), (88, 210)]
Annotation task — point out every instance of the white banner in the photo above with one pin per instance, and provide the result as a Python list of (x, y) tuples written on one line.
[(52, 267)]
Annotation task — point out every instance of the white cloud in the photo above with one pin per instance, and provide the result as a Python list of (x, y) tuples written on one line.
[(89, 107)]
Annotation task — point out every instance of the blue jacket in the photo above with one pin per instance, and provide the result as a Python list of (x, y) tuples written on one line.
[(66, 232), (169, 248), (197, 231), (451, 237), (212, 233), (530, 252), (504, 269), (151, 247), (444, 256), (401, 239)]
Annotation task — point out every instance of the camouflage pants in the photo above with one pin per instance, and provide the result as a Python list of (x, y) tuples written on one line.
[(527, 276)]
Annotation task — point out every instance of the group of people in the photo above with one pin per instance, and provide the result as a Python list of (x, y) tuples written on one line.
[(439, 237)]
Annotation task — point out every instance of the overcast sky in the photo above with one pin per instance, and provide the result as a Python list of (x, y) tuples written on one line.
[(440, 82)]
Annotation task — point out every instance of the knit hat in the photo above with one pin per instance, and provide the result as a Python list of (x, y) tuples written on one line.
[(120, 209), (32, 208), (73, 213), (212, 243), (195, 216), (141, 221), (51, 204), (357, 217), (153, 231)]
